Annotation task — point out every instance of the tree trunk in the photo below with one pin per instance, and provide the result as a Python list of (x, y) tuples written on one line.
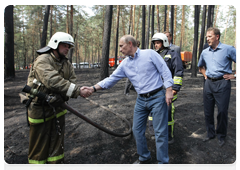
[(9, 42), (67, 23), (130, 21), (165, 18), (167, 21), (182, 26), (225, 34), (148, 27), (106, 42), (214, 25), (152, 27), (138, 19), (45, 26), (202, 30), (158, 22), (195, 45), (117, 29), (172, 21), (51, 20), (71, 33), (133, 22), (143, 26), (175, 25), (123, 24)]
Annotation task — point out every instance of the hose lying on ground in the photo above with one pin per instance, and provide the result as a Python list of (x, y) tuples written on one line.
[(69, 108)]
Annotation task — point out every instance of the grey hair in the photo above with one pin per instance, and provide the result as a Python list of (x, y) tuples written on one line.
[(129, 38)]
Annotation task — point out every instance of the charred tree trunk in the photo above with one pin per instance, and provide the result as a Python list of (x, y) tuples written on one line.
[(195, 45), (45, 26), (117, 29), (143, 26), (9, 43), (172, 21), (152, 27), (106, 42), (202, 30), (165, 18)]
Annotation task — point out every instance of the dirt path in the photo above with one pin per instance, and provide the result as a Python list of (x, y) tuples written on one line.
[(84, 144)]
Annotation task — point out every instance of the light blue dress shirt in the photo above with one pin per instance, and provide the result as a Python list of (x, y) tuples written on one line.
[(145, 70), (219, 61)]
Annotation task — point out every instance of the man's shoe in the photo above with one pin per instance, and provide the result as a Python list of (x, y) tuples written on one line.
[(221, 142), (208, 138), (165, 168), (143, 162)]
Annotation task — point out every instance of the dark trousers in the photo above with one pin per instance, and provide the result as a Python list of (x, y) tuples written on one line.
[(216, 92)]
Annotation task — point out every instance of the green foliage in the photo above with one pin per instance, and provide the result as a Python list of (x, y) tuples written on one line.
[(88, 30)]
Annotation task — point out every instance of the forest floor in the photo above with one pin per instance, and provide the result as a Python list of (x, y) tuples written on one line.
[(85, 144)]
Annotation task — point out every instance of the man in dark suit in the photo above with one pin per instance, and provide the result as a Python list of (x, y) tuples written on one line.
[(172, 46)]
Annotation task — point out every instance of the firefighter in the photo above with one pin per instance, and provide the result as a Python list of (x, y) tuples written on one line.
[(52, 74), (174, 63)]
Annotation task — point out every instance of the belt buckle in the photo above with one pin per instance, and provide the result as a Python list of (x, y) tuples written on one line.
[(148, 95)]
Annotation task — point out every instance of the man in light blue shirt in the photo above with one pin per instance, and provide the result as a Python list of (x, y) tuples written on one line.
[(215, 64), (148, 73)]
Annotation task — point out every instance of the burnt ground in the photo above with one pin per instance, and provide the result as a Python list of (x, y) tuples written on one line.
[(85, 144)]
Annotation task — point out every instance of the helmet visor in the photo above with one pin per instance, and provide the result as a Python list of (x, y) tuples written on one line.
[(69, 43)]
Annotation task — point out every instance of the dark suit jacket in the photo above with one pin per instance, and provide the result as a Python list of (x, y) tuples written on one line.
[(176, 48)]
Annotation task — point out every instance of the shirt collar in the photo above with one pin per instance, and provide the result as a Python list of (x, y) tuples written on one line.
[(135, 54), (218, 47)]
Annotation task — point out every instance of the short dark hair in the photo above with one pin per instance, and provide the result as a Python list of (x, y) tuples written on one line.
[(129, 38), (215, 30), (165, 32)]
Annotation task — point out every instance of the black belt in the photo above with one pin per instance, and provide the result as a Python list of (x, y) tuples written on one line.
[(215, 79), (151, 92)]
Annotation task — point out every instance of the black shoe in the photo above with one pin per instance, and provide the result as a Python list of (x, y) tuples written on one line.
[(208, 138), (221, 142), (143, 162), (165, 168)]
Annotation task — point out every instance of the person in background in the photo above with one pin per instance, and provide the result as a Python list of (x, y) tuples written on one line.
[(174, 63), (52, 74), (215, 64), (148, 73), (172, 46)]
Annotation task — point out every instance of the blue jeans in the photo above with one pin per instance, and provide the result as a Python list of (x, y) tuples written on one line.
[(155, 104)]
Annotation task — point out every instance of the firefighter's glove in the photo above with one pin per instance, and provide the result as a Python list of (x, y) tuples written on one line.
[(55, 100)]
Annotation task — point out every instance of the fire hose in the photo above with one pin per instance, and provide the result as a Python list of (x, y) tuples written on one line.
[(69, 108), (47, 98)]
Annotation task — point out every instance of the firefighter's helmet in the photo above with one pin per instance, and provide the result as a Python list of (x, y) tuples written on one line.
[(160, 37), (55, 40)]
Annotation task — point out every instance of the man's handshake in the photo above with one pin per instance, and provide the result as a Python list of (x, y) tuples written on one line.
[(86, 91)]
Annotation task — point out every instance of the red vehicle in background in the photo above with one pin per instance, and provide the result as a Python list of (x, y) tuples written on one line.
[(186, 59), (112, 61)]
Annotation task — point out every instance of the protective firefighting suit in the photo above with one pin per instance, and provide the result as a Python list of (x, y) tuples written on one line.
[(47, 123), (174, 64)]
